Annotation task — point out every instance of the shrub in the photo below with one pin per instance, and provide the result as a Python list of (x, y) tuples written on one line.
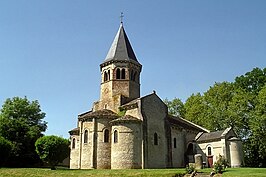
[(52, 149), (190, 168), (220, 165)]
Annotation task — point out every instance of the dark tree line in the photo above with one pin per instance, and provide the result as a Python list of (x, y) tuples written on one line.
[(240, 104)]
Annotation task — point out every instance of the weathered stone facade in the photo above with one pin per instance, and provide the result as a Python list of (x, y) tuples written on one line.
[(124, 130)]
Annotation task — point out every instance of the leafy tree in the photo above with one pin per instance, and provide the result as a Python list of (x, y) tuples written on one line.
[(5, 150), (257, 125), (52, 149), (194, 107), (21, 122), (252, 81), (175, 107), (241, 105)]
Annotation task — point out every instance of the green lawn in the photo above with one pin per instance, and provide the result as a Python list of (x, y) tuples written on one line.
[(42, 172), (245, 172)]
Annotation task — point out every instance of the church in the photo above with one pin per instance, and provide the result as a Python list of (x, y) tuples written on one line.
[(124, 130)]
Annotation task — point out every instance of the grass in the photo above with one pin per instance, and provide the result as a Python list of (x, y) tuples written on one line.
[(45, 172), (42, 172), (245, 172)]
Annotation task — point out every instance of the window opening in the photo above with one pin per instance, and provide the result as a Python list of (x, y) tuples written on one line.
[(73, 143), (155, 139), (123, 74), (209, 151), (174, 142), (86, 136), (105, 76), (106, 136), (118, 74), (115, 136)]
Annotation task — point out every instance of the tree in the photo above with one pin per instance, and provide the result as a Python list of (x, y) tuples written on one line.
[(252, 81), (5, 150), (257, 139), (175, 107), (52, 149), (240, 105), (194, 107), (21, 122)]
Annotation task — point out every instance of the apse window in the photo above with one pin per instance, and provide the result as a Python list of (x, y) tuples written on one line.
[(115, 136), (106, 136), (73, 143), (86, 136)]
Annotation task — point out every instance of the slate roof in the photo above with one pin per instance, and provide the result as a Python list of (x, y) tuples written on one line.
[(210, 136), (176, 120), (121, 49)]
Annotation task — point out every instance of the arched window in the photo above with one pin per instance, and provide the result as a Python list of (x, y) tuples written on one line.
[(209, 151), (174, 142), (105, 76), (73, 143), (86, 136), (118, 74), (123, 74), (106, 136), (155, 139), (108, 74), (115, 136)]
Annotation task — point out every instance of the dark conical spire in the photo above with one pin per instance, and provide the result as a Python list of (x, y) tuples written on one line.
[(121, 48)]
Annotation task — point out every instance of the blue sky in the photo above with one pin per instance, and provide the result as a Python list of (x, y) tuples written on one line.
[(50, 50)]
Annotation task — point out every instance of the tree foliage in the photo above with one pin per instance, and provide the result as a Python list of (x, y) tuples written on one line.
[(240, 104), (21, 122), (52, 149), (175, 107), (5, 150)]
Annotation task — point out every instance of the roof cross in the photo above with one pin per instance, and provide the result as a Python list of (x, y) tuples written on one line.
[(121, 17)]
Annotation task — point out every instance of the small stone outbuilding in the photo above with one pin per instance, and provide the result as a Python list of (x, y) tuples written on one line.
[(224, 143)]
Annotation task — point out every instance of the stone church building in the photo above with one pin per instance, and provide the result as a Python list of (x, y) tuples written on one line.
[(124, 130)]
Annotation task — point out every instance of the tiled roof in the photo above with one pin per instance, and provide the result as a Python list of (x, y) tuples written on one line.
[(74, 131), (126, 118), (105, 113)]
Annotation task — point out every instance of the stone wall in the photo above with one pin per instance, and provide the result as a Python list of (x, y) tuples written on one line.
[(154, 112), (236, 153), (127, 152), (74, 153), (217, 148), (178, 151), (103, 148), (86, 150)]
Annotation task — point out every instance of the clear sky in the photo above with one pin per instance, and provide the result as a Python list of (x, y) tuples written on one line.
[(50, 50)]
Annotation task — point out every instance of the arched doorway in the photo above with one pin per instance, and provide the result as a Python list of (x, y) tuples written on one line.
[(190, 153)]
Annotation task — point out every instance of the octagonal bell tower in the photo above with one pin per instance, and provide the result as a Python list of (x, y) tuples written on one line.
[(120, 73)]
